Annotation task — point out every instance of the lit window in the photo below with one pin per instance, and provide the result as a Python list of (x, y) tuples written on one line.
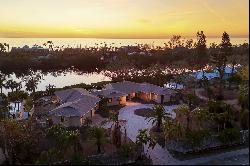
[(110, 100)]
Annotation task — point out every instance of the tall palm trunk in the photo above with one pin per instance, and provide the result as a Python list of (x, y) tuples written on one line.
[(98, 148), (159, 125), (232, 73), (203, 72), (221, 71), (188, 122)]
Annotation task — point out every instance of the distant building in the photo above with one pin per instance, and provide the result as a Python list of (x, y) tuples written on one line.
[(214, 74), (26, 48)]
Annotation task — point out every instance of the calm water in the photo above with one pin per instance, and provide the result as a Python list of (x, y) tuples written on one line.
[(76, 42), (70, 78), (66, 79)]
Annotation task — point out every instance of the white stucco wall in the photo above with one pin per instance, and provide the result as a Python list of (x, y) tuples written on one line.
[(70, 121), (123, 100), (157, 99)]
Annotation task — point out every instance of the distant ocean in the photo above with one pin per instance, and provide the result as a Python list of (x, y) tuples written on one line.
[(76, 42)]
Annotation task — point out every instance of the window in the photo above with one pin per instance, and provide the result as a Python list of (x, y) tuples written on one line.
[(62, 119), (110, 100)]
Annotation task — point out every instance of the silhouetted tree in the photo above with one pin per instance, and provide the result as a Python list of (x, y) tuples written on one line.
[(201, 58), (219, 57)]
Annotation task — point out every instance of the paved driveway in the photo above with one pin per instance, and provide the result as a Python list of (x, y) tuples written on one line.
[(159, 155)]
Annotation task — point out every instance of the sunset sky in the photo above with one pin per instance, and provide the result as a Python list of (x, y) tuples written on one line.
[(123, 18)]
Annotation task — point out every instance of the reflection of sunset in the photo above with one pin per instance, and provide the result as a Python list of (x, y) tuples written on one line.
[(123, 18)]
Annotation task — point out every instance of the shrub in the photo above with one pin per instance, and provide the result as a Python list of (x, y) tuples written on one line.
[(229, 135), (244, 119), (127, 150), (236, 79), (195, 138)]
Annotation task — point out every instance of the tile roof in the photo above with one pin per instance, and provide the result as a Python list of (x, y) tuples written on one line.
[(130, 87), (76, 102), (109, 93)]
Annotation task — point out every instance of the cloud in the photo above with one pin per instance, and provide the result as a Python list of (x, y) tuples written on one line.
[(212, 11)]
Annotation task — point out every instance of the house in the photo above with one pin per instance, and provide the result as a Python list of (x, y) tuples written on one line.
[(214, 73), (113, 97), (174, 85), (26, 48), (75, 105), (126, 90)]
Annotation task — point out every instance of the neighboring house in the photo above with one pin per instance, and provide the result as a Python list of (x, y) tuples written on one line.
[(214, 74), (145, 91), (174, 85), (76, 105), (26, 48)]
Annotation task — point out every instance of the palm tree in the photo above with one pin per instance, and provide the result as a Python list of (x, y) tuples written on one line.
[(185, 110), (244, 119), (219, 118), (2, 47), (7, 45), (2, 81), (167, 129), (172, 130), (31, 86), (18, 86), (116, 128), (143, 139), (178, 130), (50, 43), (201, 115), (50, 90), (11, 84), (204, 83), (4, 112), (159, 115), (98, 134), (191, 99), (32, 80)]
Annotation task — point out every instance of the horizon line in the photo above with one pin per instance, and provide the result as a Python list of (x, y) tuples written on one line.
[(127, 37)]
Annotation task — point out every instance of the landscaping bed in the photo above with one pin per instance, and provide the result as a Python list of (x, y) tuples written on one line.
[(105, 112), (182, 149), (144, 112)]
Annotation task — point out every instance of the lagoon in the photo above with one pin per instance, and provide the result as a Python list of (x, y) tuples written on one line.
[(63, 79)]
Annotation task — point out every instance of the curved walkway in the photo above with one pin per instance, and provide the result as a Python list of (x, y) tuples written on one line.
[(159, 155)]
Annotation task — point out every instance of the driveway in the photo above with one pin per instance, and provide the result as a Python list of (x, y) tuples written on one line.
[(159, 155)]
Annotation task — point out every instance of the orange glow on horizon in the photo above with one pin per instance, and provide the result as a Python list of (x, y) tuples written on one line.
[(123, 18)]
